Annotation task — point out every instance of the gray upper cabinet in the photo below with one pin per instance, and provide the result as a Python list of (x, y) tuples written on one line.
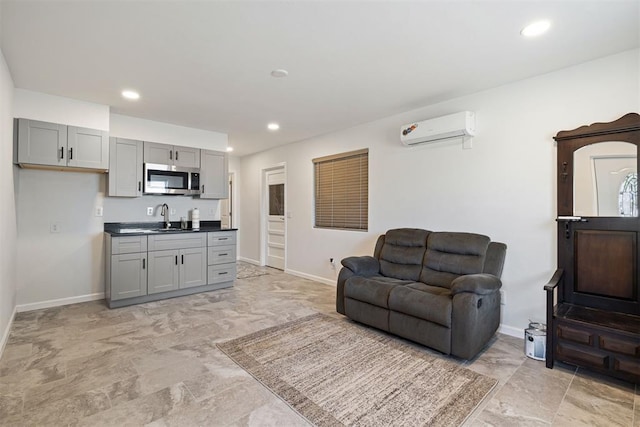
[(87, 148), (186, 157), (41, 143), (214, 175), (171, 155), (52, 144), (125, 167)]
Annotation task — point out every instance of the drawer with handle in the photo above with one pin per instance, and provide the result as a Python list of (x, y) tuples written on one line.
[(221, 254), (221, 238), (221, 273)]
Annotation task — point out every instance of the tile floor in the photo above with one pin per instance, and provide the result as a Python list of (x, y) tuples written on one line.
[(156, 364)]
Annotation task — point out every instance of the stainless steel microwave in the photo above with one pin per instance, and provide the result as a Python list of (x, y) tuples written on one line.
[(169, 179)]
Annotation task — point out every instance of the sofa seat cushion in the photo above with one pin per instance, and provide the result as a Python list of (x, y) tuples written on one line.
[(373, 290), (425, 302)]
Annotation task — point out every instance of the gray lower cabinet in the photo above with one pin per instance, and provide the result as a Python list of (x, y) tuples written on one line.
[(125, 167), (193, 267), (163, 271), (177, 261), (151, 267), (170, 270), (128, 276), (221, 247), (52, 144), (126, 267)]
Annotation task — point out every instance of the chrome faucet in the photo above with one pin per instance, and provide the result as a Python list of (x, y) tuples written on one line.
[(165, 212)]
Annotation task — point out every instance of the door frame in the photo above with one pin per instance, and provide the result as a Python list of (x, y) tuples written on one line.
[(264, 208)]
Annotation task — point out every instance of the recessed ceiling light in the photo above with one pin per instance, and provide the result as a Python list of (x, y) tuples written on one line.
[(536, 28), (130, 94), (229, 149), (273, 126), (279, 73)]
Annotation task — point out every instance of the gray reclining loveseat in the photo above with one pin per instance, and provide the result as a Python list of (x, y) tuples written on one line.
[(440, 289)]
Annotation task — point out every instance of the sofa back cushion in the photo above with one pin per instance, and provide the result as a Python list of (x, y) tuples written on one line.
[(401, 253), (450, 255)]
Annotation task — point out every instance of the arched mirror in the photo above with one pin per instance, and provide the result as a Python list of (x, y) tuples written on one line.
[(605, 180)]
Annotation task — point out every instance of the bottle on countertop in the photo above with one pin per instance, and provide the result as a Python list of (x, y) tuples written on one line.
[(195, 219)]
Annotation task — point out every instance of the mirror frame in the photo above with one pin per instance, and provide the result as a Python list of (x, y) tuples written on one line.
[(625, 129)]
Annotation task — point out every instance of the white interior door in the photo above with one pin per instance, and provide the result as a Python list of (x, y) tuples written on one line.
[(226, 207), (275, 239)]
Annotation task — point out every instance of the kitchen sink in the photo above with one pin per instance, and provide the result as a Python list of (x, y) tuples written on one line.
[(135, 230), (153, 230)]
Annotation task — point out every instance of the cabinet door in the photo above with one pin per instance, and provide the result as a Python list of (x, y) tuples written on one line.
[(158, 153), (125, 167), (193, 267), (128, 276), (186, 156), (214, 175), (163, 271), (87, 148), (42, 143)]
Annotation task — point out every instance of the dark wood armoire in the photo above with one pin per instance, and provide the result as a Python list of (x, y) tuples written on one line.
[(593, 298)]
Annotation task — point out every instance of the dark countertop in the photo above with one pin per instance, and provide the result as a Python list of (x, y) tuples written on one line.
[(147, 228)]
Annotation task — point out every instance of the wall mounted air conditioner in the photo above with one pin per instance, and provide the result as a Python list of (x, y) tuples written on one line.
[(459, 125)]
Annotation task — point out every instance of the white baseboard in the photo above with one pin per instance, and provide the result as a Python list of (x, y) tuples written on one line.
[(511, 331), (329, 282), (249, 260), (58, 302), (7, 331)]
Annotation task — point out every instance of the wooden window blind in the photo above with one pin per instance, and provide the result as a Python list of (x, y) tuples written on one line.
[(342, 190)]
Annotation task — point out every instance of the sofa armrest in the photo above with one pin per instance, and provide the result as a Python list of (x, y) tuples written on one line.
[(362, 265), (480, 284)]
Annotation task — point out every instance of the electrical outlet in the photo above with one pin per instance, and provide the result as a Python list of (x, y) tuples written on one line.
[(212, 211), (99, 211), (172, 211), (503, 297), (149, 211), (54, 227)]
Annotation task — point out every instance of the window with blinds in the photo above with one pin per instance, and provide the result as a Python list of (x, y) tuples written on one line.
[(342, 190)]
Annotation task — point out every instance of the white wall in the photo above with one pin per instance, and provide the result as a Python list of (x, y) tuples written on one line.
[(148, 130), (67, 267), (8, 229), (57, 109), (64, 265), (503, 187)]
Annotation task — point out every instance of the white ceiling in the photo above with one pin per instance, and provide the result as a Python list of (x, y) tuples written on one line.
[(207, 64)]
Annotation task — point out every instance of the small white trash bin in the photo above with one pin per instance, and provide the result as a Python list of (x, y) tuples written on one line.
[(535, 341)]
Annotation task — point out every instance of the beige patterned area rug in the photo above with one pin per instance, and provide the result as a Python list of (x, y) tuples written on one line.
[(335, 372)]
